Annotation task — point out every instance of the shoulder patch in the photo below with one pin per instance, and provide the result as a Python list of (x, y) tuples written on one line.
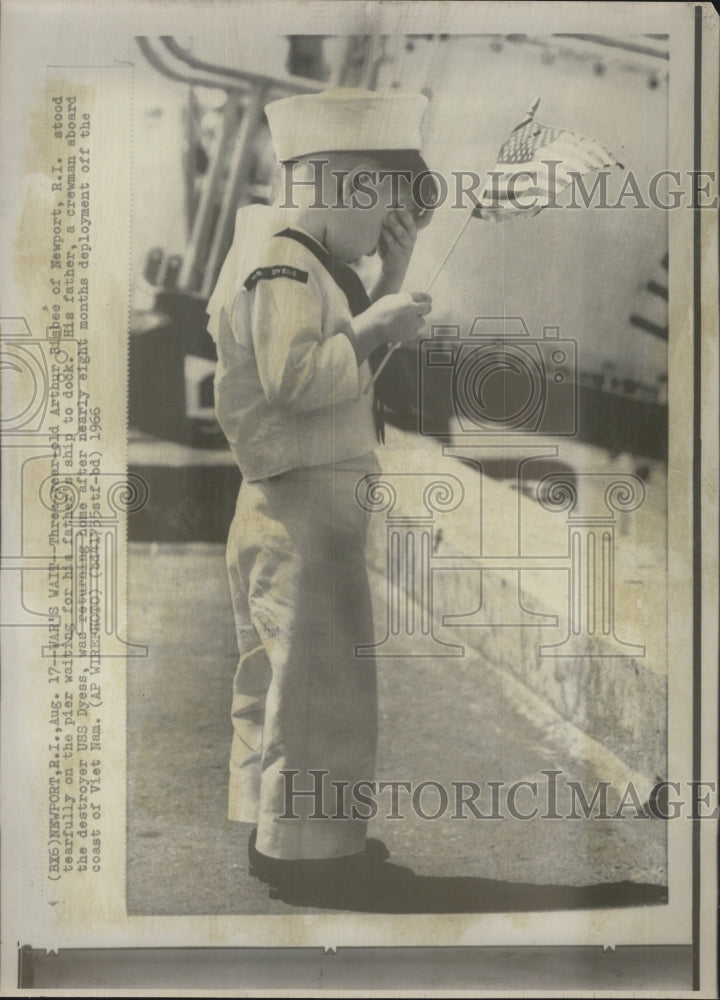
[(276, 271)]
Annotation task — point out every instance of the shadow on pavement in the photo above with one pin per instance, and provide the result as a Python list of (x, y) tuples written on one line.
[(411, 893)]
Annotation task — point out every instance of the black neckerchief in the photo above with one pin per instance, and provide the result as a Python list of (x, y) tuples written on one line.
[(358, 300)]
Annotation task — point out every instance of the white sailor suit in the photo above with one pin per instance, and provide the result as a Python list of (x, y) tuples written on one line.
[(289, 397)]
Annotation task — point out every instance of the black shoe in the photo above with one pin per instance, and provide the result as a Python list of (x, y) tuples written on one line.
[(358, 882), (276, 870)]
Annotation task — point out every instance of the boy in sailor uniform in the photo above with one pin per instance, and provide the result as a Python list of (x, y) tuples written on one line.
[(298, 337)]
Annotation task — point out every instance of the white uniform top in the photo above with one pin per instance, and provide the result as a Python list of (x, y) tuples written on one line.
[(288, 389)]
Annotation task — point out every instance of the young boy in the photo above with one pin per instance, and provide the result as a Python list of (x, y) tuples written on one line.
[(295, 330)]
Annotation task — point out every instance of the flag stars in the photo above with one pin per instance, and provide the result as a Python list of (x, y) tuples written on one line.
[(524, 143)]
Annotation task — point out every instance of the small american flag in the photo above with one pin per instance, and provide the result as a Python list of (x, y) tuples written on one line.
[(535, 163)]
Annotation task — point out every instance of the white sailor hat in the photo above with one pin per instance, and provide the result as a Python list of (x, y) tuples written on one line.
[(349, 119), (345, 119)]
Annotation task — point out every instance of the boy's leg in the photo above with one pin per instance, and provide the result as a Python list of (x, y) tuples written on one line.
[(310, 603), (250, 685)]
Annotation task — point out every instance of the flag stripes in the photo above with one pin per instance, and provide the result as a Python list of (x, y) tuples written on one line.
[(538, 161)]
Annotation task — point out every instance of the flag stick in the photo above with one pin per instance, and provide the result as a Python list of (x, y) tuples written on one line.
[(443, 262), (450, 249)]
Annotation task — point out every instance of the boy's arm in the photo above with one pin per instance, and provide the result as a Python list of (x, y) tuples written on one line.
[(300, 370)]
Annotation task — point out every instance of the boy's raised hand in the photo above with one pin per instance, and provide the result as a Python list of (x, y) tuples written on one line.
[(392, 319), (397, 242)]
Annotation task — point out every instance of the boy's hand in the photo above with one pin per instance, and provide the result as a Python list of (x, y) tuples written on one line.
[(397, 242), (392, 319)]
